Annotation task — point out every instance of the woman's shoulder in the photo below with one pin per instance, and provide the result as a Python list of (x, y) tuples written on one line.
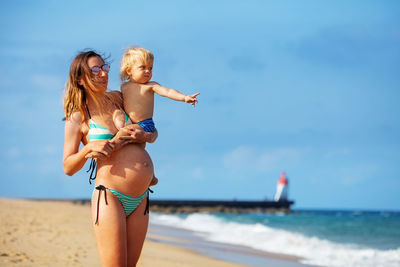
[(76, 126), (75, 118), (115, 93), (116, 96)]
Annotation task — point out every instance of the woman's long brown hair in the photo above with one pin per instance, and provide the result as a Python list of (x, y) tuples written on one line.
[(80, 84)]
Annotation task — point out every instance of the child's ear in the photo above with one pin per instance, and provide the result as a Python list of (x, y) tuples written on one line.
[(129, 71)]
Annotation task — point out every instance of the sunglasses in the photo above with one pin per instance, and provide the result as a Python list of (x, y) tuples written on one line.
[(96, 69)]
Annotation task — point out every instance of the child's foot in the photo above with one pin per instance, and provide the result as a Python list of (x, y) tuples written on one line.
[(154, 181)]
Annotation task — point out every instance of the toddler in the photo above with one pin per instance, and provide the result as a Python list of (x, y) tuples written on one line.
[(138, 91)]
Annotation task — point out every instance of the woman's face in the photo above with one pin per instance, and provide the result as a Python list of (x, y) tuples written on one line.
[(100, 77)]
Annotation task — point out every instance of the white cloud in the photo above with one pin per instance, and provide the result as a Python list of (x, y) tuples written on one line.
[(47, 82), (198, 173), (248, 157), (337, 152), (13, 152), (47, 150), (268, 159), (242, 155), (355, 175)]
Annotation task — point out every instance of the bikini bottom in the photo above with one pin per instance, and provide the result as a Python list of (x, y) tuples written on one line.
[(129, 203)]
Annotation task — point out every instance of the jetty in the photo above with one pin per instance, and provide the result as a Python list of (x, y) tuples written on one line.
[(280, 203), (233, 206)]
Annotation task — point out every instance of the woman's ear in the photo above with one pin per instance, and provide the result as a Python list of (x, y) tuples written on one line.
[(80, 81)]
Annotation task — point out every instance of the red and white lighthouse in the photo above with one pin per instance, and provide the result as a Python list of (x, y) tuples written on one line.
[(282, 188)]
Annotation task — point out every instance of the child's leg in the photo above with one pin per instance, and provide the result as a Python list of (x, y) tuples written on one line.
[(119, 119)]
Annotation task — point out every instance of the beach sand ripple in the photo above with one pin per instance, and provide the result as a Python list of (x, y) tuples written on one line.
[(46, 233), (59, 233)]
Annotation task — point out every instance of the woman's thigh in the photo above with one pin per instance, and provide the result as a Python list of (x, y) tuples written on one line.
[(110, 231), (136, 227)]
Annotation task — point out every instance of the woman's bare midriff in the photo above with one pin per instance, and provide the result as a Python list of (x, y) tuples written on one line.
[(129, 170)]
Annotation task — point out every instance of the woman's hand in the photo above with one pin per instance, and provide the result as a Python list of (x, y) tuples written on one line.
[(124, 136), (138, 135), (99, 149), (133, 133)]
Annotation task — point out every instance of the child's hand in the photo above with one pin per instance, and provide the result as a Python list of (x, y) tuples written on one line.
[(191, 99)]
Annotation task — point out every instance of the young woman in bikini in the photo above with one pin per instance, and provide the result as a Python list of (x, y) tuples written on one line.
[(124, 168)]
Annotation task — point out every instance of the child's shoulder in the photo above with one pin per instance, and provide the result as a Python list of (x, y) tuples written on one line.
[(152, 83), (138, 86), (129, 84), (125, 84)]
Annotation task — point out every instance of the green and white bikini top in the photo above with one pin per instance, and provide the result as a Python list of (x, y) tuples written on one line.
[(98, 132)]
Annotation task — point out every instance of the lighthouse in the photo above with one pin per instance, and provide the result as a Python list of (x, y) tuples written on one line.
[(282, 188)]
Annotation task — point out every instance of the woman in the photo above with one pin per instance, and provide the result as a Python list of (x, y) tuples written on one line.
[(124, 168)]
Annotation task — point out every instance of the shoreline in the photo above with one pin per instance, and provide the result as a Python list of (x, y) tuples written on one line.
[(40, 232), (222, 251)]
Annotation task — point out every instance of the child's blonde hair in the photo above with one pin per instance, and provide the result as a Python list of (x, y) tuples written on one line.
[(132, 54)]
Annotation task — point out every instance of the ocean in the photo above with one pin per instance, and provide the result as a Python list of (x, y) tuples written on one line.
[(321, 238)]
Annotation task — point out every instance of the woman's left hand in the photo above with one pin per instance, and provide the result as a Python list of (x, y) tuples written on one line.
[(133, 133)]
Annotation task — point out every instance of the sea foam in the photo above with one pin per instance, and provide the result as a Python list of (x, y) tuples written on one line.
[(313, 250)]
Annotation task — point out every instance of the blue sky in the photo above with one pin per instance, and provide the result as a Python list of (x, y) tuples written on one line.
[(306, 87)]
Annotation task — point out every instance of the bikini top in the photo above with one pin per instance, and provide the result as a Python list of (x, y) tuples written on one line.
[(98, 132)]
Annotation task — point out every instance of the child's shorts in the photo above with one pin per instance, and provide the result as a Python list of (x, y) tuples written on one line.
[(147, 125)]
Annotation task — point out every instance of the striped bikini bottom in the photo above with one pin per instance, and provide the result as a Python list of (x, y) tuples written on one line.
[(129, 203)]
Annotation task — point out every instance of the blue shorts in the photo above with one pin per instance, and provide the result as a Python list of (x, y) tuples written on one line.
[(147, 125)]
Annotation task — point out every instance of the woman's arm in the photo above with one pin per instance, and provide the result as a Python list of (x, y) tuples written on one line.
[(132, 133), (73, 158)]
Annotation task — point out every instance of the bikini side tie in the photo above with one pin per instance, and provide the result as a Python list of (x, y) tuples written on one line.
[(100, 188), (148, 202), (93, 169)]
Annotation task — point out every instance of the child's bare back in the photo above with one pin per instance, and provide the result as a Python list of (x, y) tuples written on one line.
[(139, 100)]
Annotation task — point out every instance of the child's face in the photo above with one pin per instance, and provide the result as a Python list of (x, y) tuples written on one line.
[(141, 72)]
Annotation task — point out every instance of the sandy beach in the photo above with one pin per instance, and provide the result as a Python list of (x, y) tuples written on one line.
[(59, 233)]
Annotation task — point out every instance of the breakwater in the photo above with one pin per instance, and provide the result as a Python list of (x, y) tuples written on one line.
[(189, 206)]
